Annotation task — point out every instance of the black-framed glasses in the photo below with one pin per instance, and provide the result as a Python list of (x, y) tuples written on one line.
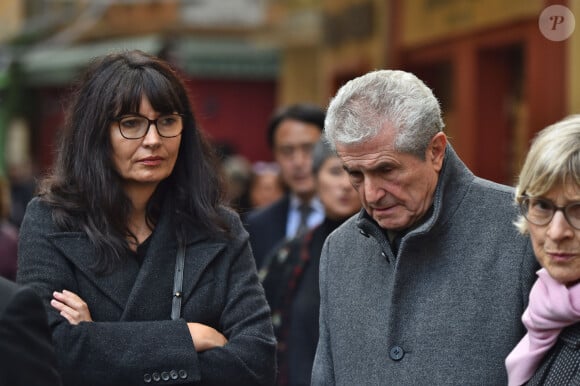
[(136, 126), (540, 211)]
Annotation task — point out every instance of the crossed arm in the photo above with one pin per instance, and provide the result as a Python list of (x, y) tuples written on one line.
[(74, 309)]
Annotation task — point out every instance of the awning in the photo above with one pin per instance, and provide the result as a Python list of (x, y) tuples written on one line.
[(200, 58), (235, 59), (46, 65)]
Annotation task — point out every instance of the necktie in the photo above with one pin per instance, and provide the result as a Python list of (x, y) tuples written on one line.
[(304, 210)]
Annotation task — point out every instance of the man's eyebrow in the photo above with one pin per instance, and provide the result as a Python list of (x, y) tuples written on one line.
[(380, 165)]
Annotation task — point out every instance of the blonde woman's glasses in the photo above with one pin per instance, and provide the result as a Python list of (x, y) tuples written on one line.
[(540, 211)]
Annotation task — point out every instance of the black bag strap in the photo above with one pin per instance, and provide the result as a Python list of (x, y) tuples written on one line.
[(178, 282)]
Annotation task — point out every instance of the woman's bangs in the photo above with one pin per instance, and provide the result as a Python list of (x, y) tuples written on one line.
[(160, 91), (128, 94), (146, 82)]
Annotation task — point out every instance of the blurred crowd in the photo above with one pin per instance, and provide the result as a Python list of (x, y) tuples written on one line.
[(16, 190)]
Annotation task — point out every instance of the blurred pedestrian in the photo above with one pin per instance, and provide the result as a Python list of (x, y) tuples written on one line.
[(147, 277), (8, 234), (292, 133), (237, 171), (291, 277), (22, 183), (266, 185)]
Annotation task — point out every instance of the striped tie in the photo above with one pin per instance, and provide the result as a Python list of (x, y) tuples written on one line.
[(304, 210)]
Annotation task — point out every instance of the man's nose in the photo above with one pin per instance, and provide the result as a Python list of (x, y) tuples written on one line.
[(373, 189)]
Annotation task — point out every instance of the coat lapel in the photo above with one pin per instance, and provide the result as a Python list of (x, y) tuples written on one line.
[(145, 293), (152, 294), (199, 256), (79, 251)]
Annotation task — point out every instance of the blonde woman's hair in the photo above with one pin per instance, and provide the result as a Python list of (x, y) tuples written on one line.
[(553, 160)]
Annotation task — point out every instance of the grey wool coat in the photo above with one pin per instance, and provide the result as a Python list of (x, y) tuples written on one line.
[(132, 339), (445, 310)]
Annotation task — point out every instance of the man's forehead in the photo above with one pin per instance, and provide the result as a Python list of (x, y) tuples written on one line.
[(368, 160)]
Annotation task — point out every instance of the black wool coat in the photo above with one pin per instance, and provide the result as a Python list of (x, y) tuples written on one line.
[(132, 339), (26, 351)]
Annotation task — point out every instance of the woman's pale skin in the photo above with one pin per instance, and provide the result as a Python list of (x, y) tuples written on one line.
[(142, 163), (335, 191), (557, 244)]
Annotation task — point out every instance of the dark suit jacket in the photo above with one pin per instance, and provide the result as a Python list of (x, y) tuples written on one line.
[(132, 339), (267, 227), (291, 285), (26, 351)]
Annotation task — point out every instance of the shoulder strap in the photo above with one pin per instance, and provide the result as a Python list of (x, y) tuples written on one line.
[(178, 282)]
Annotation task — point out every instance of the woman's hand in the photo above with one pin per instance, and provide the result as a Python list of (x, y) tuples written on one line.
[(71, 307), (205, 337)]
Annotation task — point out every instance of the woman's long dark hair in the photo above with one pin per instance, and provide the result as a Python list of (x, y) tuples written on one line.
[(84, 187)]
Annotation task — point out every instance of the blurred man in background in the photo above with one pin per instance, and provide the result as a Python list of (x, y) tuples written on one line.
[(292, 134)]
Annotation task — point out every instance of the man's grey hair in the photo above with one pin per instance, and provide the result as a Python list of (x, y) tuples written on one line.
[(365, 104)]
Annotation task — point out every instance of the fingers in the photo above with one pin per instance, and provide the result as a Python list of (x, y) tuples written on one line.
[(65, 312), (72, 307)]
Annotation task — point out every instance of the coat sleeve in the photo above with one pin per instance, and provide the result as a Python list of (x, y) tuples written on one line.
[(25, 343), (249, 357), (323, 368)]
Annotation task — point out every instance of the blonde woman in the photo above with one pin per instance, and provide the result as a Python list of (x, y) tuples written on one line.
[(548, 194)]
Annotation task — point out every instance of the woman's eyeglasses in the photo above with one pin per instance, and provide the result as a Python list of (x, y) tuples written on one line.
[(540, 211), (136, 126)]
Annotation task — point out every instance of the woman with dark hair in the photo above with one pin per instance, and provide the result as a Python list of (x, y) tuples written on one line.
[(145, 274)]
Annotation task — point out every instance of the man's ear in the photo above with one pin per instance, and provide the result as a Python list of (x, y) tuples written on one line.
[(436, 150)]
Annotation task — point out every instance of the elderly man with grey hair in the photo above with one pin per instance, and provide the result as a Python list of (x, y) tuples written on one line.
[(426, 285)]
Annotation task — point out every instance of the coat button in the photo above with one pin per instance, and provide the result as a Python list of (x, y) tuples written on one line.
[(156, 377), (147, 378), (173, 374), (165, 376), (182, 374), (396, 353)]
